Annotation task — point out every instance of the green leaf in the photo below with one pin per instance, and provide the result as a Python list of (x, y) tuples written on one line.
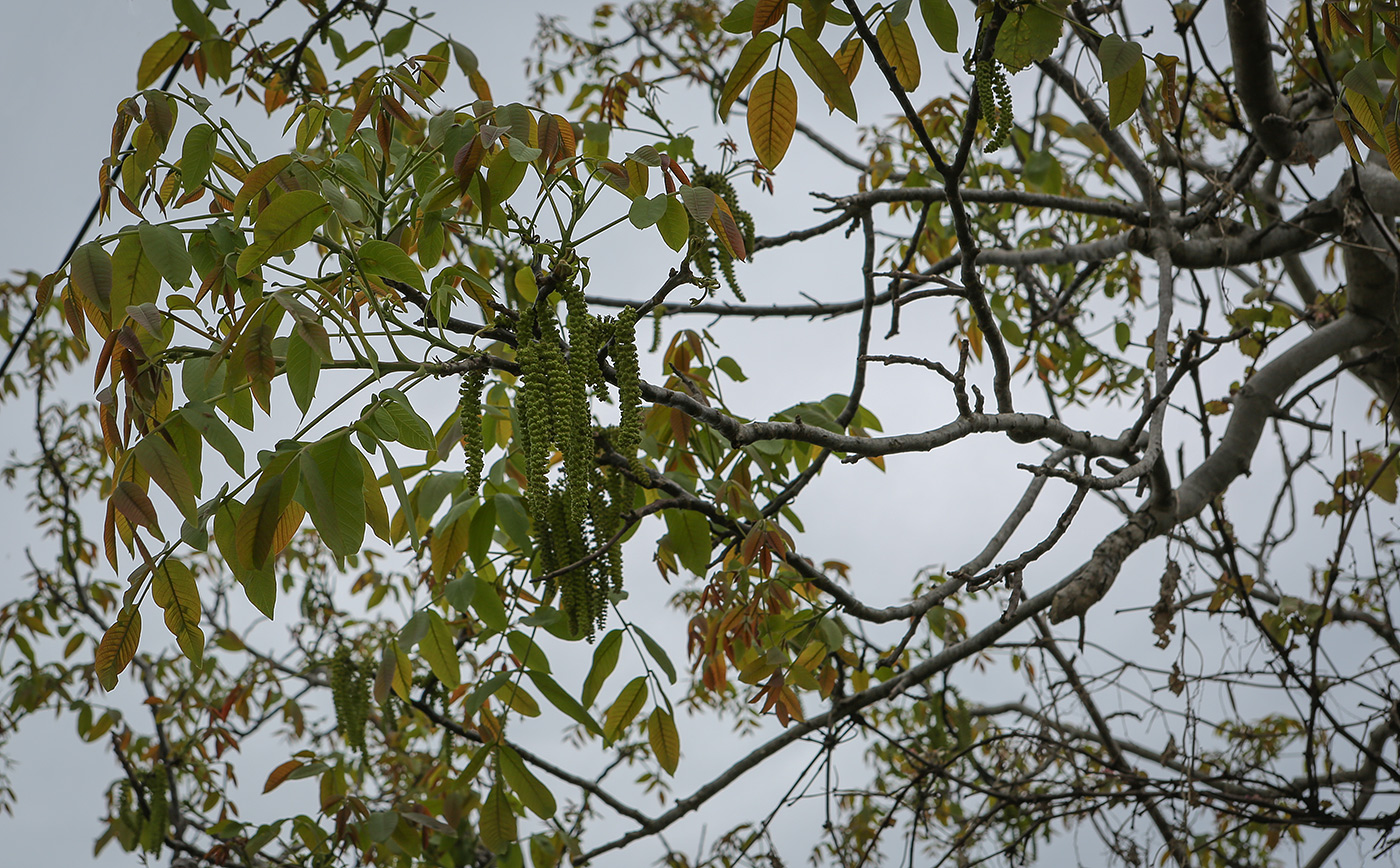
[(822, 70), (439, 650), (91, 272), (165, 245), (389, 260), (527, 651), (562, 700), (626, 707), (489, 607), (657, 653), (118, 646), (303, 369), (198, 23), (257, 529), (1125, 91), (497, 820), (334, 479), (518, 700), (173, 589), (673, 225), (197, 156), (646, 212), (749, 62), (135, 279), (941, 23), (1118, 56), (286, 224), (413, 430), (532, 792), (689, 532), (158, 458), (665, 740), (604, 661), (740, 18), (215, 432), (1029, 35)]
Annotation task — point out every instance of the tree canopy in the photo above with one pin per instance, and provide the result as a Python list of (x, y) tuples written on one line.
[(402, 427)]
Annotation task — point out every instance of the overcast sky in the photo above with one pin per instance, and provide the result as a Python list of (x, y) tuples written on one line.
[(66, 65)]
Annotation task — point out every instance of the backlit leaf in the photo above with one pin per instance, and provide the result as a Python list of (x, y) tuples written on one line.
[(664, 739), (625, 708), (896, 42), (772, 116), (766, 13), (746, 66), (91, 272), (173, 589), (822, 70), (531, 791), (118, 646), (159, 57), (256, 181)]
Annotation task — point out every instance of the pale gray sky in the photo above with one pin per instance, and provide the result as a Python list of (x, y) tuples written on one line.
[(65, 66)]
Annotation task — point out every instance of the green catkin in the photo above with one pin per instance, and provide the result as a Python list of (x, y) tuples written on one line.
[(469, 412), (350, 696), (629, 384), (153, 826), (657, 314)]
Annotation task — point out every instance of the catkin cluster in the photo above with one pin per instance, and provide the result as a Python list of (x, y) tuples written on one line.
[(993, 91), (578, 510), (350, 696), (994, 94), (706, 252), (469, 413)]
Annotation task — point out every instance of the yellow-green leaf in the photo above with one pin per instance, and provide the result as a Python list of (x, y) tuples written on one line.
[(256, 181), (896, 42), (604, 661), (159, 57), (158, 458), (166, 248), (665, 740), (441, 653), (823, 70), (626, 707), (533, 794), (1125, 91), (286, 224), (941, 23), (750, 60), (772, 116), (174, 590), (118, 646)]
